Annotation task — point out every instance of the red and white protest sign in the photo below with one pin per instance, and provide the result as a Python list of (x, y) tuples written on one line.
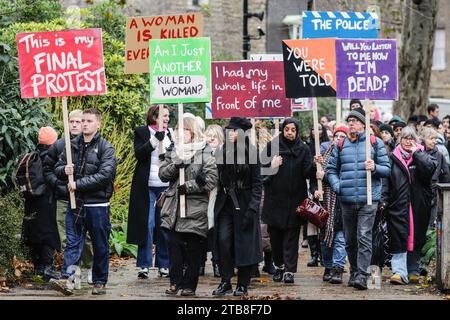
[(249, 89), (61, 63)]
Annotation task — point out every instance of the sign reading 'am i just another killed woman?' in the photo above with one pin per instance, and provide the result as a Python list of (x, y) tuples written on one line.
[(180, 70)]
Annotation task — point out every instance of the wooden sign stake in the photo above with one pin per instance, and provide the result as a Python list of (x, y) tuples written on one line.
[(73, 203)]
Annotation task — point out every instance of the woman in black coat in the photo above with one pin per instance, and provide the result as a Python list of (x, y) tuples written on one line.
[(236, 214), (442, 172), (406, 203), (284, 190), (144, 219)]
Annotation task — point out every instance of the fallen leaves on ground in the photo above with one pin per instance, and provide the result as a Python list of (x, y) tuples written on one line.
[(21, 266), (275, 296)]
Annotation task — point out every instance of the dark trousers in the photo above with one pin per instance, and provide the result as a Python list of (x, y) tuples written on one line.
[(185, 249), (225, 230), (41, 255), (358, 225), (99, 227), (284, 244)]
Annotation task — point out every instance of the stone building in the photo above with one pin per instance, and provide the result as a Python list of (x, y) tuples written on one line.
[(224, 22)]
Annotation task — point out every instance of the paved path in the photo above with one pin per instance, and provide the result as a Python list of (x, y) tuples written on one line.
[(123, 284)]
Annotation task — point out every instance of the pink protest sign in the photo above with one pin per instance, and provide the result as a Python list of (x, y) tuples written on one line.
[(249, 89), (61, 63)]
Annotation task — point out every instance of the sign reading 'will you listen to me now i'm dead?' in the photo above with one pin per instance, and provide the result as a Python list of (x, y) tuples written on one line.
[(61, 63), (180, 70)]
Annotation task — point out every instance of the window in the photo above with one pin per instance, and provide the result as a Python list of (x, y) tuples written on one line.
[(439, 50)]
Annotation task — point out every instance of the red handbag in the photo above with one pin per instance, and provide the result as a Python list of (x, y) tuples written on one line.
[(313, 212)]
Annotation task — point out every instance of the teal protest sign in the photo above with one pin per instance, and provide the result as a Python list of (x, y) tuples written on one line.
[(180, 70)]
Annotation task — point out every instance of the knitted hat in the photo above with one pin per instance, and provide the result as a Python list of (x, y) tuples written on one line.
[(395, 119), (47, 135), (359, 114), (341, 128), (386, 127), (398, 124), (239, 123)]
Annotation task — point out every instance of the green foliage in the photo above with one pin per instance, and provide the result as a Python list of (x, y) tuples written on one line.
[(118, 243), (429, 249), (28, 10), (108, 15), (11, 215)]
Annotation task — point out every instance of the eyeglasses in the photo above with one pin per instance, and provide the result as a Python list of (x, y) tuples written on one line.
[(351, 120), (409, 138)]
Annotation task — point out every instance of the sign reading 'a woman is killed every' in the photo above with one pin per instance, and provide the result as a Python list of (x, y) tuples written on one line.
[(61, 63), (139, 30), (180, 70)]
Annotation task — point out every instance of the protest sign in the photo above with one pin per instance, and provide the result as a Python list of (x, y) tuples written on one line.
[(180, 70), (366, 69), (139, 30), (249, 89), (309, 68), (61, 63), (266, 57), (350, 25), (301, 104)]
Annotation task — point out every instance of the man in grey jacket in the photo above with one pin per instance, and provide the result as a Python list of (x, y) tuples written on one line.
[(346, 173)]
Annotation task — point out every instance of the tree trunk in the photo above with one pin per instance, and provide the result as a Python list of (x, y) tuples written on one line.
[(416, 56)]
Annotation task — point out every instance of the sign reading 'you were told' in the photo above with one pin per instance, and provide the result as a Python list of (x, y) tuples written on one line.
[(180, 70), (61, 63)]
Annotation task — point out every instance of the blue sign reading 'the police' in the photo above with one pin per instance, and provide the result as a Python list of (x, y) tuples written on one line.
[(349, 25)]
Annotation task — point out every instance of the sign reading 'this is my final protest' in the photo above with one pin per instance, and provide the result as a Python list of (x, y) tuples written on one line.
[(61, 63), (180, 70), (140, 30)]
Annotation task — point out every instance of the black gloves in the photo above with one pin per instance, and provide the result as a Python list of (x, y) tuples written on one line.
[(181, 164), (182, 189), (200, 179), (162, 156), (160, 135)]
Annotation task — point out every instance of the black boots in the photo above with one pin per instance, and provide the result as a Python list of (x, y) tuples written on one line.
[(336, 276), (314, 247), (223, 289), (278, 276), (268, 263), (327, 275)]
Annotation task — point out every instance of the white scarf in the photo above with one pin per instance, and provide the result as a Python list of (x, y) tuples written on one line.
[(189, 149)]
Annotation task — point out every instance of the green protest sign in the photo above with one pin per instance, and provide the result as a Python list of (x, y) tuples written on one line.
[(180, 70)]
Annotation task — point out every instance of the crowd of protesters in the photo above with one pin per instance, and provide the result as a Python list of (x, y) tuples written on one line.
[(241, 186)]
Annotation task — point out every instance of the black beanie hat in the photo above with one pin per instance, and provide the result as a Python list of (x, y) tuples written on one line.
[(386, 127), (239, 123)]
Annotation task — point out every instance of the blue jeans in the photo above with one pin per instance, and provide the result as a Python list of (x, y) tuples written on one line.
[(145, 252), (413, 262), (334, 256), (99, 227), (358, 222), (398, 264)]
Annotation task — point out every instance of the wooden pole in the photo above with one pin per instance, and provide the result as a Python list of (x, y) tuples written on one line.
[(253, 132), (317, 141), (73, 203), (160, 128), (277, 127), (181, 150), (368, 173), (338, 111)]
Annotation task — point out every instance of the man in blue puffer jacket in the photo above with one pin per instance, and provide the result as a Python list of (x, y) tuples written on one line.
[(346, 173)]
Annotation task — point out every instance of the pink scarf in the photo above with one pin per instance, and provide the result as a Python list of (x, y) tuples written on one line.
[(406, 159)]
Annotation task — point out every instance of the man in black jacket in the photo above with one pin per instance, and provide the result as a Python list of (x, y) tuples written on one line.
[(94, 169), (60, 188)]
